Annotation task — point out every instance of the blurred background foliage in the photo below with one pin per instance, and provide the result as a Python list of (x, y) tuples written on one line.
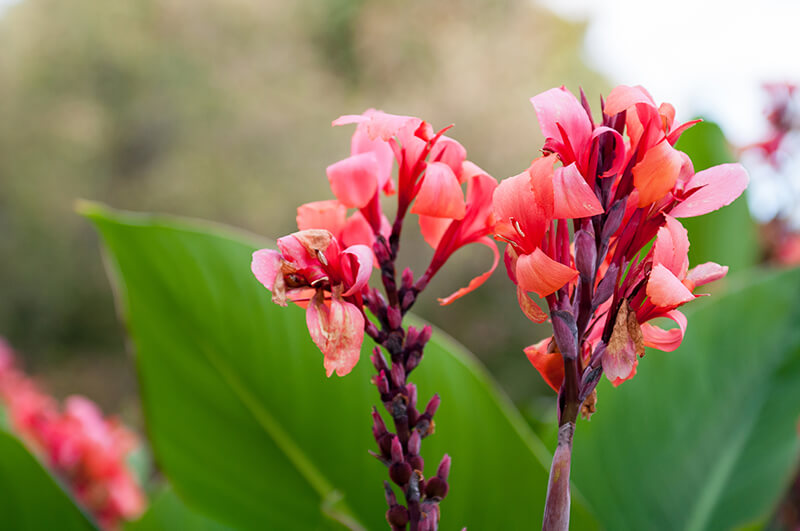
[(221, 109)]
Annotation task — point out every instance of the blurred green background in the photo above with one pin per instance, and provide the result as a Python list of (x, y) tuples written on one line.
[(221, 109)]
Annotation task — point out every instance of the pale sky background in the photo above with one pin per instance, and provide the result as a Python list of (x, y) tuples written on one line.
[(706, 57)]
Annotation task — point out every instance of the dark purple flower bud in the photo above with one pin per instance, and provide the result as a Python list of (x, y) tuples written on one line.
[(613, 220), (430, 516), (378, 361), (382, 383), (394, 317), (414, 443), (408, 300), (413, 360), (444, 467), (378, 426), (381, 251), (565, 332), (606, 287), (400, 472), (407, 279), (425, 335), (411, 391), (585, 254), (397, 450), (436, 488), (433, 405), (417, 463), (398, 374), (391, 499), (412, 336), (397, 517)]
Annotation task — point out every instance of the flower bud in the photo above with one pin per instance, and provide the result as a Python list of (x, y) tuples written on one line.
[(398, 374), (433, 405), (414, 443), (407, 279), (382, 383), (378, 361), (394, 317)]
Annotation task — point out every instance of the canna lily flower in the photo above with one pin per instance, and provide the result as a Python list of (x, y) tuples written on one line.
[(331, 215), (311, 269), (526, 206), (446, 236)]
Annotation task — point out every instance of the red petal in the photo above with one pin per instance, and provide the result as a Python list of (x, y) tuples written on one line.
[(440, 194), (549, 365), (715, 187), (338, 331), (665, 289), (480, 279), (666, 340), (572, 197), (655, 175), (515, 206), (354, 180), (542, 275), (672, 247)]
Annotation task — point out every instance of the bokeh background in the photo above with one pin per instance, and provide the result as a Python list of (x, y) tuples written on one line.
[(221, 109)]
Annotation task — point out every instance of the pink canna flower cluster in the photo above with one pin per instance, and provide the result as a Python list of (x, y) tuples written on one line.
[(326, 268), (578, 234), (87, 451), (326, 265)]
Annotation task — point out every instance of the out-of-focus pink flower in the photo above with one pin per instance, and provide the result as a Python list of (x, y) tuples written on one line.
[(312, 270), (88, 451)]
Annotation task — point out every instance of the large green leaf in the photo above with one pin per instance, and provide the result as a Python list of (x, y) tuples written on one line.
[(727, 236), (704, 437), (246, 425), (167, 512), (29, 496)]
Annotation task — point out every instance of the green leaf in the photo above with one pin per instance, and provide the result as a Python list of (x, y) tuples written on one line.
[(729, 235), (244, 422), (704, 437), (167, 512), (31, 498)]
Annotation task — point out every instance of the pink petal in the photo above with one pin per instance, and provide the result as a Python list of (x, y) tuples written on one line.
[(470, 169), (623, 97), (671, 248), (666, 340), (363, 267), (542, 181), (572, 197), (440, 194), (542, 275), (715, 187), (480, 279), (549, 364), (433, 229), (378, 123), (705, 273), (451, 153), (665, 289), (384, 156), (266, 266), (338, 331), (559, 106), (354, 180), (655, 175), (678, 131), (329, 215), (357, 230)]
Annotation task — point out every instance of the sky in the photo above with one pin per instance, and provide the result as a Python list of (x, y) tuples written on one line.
[(706, 57)]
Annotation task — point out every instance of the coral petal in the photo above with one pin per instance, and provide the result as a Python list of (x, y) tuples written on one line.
[(329, 215), (480, 279), (364, 259), (558, 106), (433, 229), (549, 365), (672, 247), (572, 196), (665, 289), (623, 97), (655, 175), (531, 310), (440, 194), (666, 340), (266, 265), (705, 273), (541, 274), (338, 331)]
